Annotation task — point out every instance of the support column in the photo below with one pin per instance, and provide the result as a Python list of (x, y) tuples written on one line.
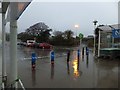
[(0, 50), (13, 43), (4, 75), (13, 51), (99, 44), (94, 45), (94, 49)]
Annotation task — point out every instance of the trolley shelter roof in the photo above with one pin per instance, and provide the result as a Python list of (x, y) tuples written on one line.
[(108, 28)]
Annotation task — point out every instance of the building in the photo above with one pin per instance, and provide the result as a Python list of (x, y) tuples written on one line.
[(104, 37)]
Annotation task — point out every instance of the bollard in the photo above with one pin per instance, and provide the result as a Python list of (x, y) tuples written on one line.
[(87, 51), (33, 60), (68, 55), (78, 54), (87, 61), (68, 69), (52, 71), (83, 51), (78, 65), (52, 57), (87, 56)]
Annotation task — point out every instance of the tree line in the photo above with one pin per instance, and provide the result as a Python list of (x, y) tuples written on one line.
[(42, 33)]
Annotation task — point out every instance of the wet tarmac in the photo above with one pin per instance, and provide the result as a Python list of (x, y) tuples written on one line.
[(82, 73)]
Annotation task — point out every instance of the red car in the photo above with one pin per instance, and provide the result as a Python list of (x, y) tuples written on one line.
[(45, 46)]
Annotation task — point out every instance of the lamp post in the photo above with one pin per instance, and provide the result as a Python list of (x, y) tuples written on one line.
[(95, 24), (76, 26)]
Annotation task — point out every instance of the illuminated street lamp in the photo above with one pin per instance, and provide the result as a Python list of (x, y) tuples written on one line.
[(76, 26)]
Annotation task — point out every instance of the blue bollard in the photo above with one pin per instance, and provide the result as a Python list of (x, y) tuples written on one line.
[(34, 58), (78, 54), (52, 57), (87, 51)]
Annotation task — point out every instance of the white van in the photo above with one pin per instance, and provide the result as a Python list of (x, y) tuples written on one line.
[(30, 43)]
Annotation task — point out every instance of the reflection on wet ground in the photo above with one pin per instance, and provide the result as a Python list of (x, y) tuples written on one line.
[(83, 73)]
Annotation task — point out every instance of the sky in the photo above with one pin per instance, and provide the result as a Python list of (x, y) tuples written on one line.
[(64, 15), (61, 16)]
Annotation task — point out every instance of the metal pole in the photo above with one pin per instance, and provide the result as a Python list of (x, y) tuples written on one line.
[(3, 86), (3, 48), (94, 40), (13, 42), (80, 43), (0, 51), (94, 45), (21, 84), (99, 44)]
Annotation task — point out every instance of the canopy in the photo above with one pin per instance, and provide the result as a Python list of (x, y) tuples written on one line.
[(21, 6)]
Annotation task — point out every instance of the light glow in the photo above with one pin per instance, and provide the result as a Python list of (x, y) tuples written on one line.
[(76, 25)]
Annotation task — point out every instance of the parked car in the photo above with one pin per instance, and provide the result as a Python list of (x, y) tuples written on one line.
[(35, 45), (45, 46), (22, 43), (30, 43)]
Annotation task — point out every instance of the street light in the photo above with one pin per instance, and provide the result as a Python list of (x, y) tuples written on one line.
[(95, 24), (76, 26)]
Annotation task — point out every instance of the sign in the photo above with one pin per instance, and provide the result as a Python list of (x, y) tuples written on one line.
[(116, 33), (80, 35)]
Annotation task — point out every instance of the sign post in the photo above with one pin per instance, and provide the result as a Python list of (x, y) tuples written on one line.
[(81, 37)]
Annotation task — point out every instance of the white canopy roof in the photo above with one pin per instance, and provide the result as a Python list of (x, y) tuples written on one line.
[(107, 28), (21, 6)]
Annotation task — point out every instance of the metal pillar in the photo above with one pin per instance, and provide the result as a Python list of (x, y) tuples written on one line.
[(0, 50), (4, 75), (94, 49), (99, 44), (95, 23), (94, 45), (13, 43), (80, 43)]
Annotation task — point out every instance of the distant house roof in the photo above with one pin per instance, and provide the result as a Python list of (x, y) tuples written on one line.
[(108, 28)]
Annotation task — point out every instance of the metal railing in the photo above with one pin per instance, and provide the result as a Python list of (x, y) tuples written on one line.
[(12, 85), (3, 86)]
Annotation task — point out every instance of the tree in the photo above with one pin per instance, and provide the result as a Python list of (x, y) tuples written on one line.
[(25, 36), (63, 38), (57, 38), (58, 33), (68, 34), (40, 31)]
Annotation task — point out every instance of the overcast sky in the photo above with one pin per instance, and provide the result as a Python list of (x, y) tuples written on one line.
[(64, 15)]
